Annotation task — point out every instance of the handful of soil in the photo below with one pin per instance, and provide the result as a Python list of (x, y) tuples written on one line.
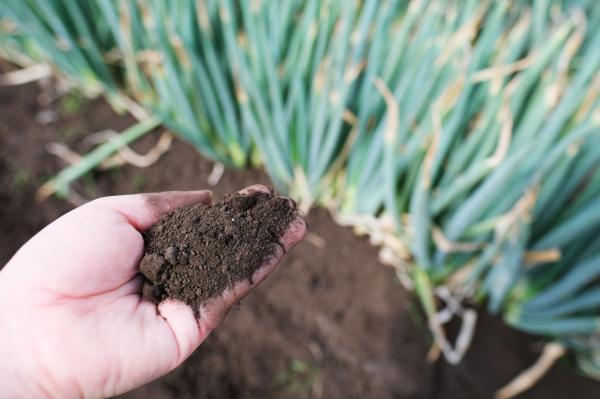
[(197, 251)]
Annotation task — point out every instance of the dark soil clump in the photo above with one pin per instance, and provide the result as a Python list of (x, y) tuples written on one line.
[(197, 251)]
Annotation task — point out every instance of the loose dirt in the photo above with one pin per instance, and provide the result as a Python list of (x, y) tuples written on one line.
[(197, 251)]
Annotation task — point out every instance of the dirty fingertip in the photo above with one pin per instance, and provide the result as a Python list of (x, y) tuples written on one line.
[(294, 233), (204, 196), (269, 266), (182, 322), (289, 202), (258, 188)]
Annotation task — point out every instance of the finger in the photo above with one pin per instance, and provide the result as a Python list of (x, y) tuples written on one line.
[(184, 327), (144, 210), (143, 344), (294, 234), (257, 188), (213, 312), (190, 332), (260, 188)]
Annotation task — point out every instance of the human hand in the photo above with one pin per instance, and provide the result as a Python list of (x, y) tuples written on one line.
[(72, 322)]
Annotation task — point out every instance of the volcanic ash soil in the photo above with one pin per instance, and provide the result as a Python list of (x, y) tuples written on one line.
[(196, 252)]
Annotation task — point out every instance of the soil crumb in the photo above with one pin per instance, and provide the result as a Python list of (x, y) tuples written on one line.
[(196, 252)]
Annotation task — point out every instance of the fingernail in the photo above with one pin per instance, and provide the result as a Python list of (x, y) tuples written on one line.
[(293, 204), (290, 202), (258, 188)]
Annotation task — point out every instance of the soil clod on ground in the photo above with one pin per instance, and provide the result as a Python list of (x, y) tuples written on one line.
[(196, 252)]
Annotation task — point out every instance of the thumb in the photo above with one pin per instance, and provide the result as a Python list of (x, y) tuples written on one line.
[(144, 210), (96, 247)]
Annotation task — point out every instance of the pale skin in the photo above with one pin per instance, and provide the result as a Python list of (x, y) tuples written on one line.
[(72, 323)]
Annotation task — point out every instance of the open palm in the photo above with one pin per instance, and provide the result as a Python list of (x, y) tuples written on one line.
[(72, 322)]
